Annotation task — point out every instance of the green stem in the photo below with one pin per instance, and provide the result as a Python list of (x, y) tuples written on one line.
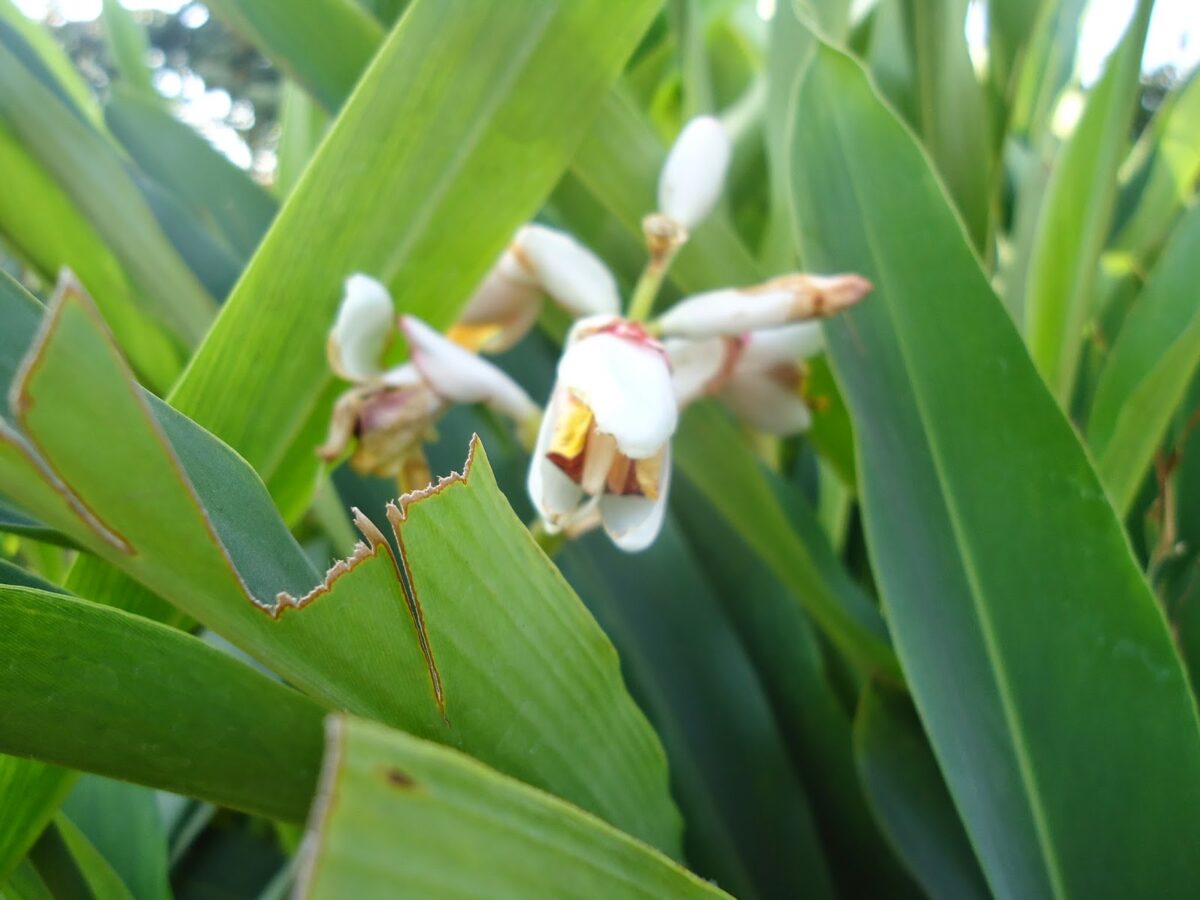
[(642, 303), (550, 543)]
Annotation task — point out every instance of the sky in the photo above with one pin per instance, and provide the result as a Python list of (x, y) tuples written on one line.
[(1174, 38)]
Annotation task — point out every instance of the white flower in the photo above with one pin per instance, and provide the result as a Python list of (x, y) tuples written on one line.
[(759, 376), (539, 260), (392, 412), (789, 298), (603, 449), (694, 173)]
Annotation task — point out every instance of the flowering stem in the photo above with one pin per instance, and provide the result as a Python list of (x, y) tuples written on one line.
[(664, 237)]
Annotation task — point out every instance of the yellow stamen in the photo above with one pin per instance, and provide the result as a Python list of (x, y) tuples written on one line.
[(474, 336), (647, 472), (570, 437)]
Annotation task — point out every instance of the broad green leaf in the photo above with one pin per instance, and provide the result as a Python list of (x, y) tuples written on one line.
[(790, 662), (910, 798), (122, 821), (212, 188), (323, 44), (1075, 213), (86, 166), (753, 836), (41, 222), (1036, 654), (143, 702), (30, 791), (1161, 174), (1149, 368), (174, 508), (129, 50), (710, 453), (459, 826), (453, 138)]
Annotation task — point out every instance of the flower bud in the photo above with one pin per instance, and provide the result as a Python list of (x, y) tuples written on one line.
[(790, 298), (694, 173)]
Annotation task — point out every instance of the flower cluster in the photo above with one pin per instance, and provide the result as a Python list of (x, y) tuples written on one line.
[(602, 452)]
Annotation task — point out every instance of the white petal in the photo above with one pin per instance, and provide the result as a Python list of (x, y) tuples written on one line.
[(695, 366), (633, 522), (766, 405), (502, 309), (459, 376), (627, 386), (568, 271), (694, 173), (727, 312), (403, 375), (788, 344), (555, 496), (362, 329), (789, 298)]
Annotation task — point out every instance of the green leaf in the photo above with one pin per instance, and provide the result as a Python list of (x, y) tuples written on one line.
[(754, 836), (711, 454), (174, 508), (15, 575), (41, 222), (1011, 24), (97, 876), (30, 791), (461, 825), (1036, 654), (301, 124), (453, 138), (55, 59), (1161, 174), (952, 114), (791, 664), (122, 821), (85, 165), (1045, 69), (323, 44), (1075, 213), (129, 50), (212, 188), (1149, 368), (143, 702), (910, 798), (27, 884)]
